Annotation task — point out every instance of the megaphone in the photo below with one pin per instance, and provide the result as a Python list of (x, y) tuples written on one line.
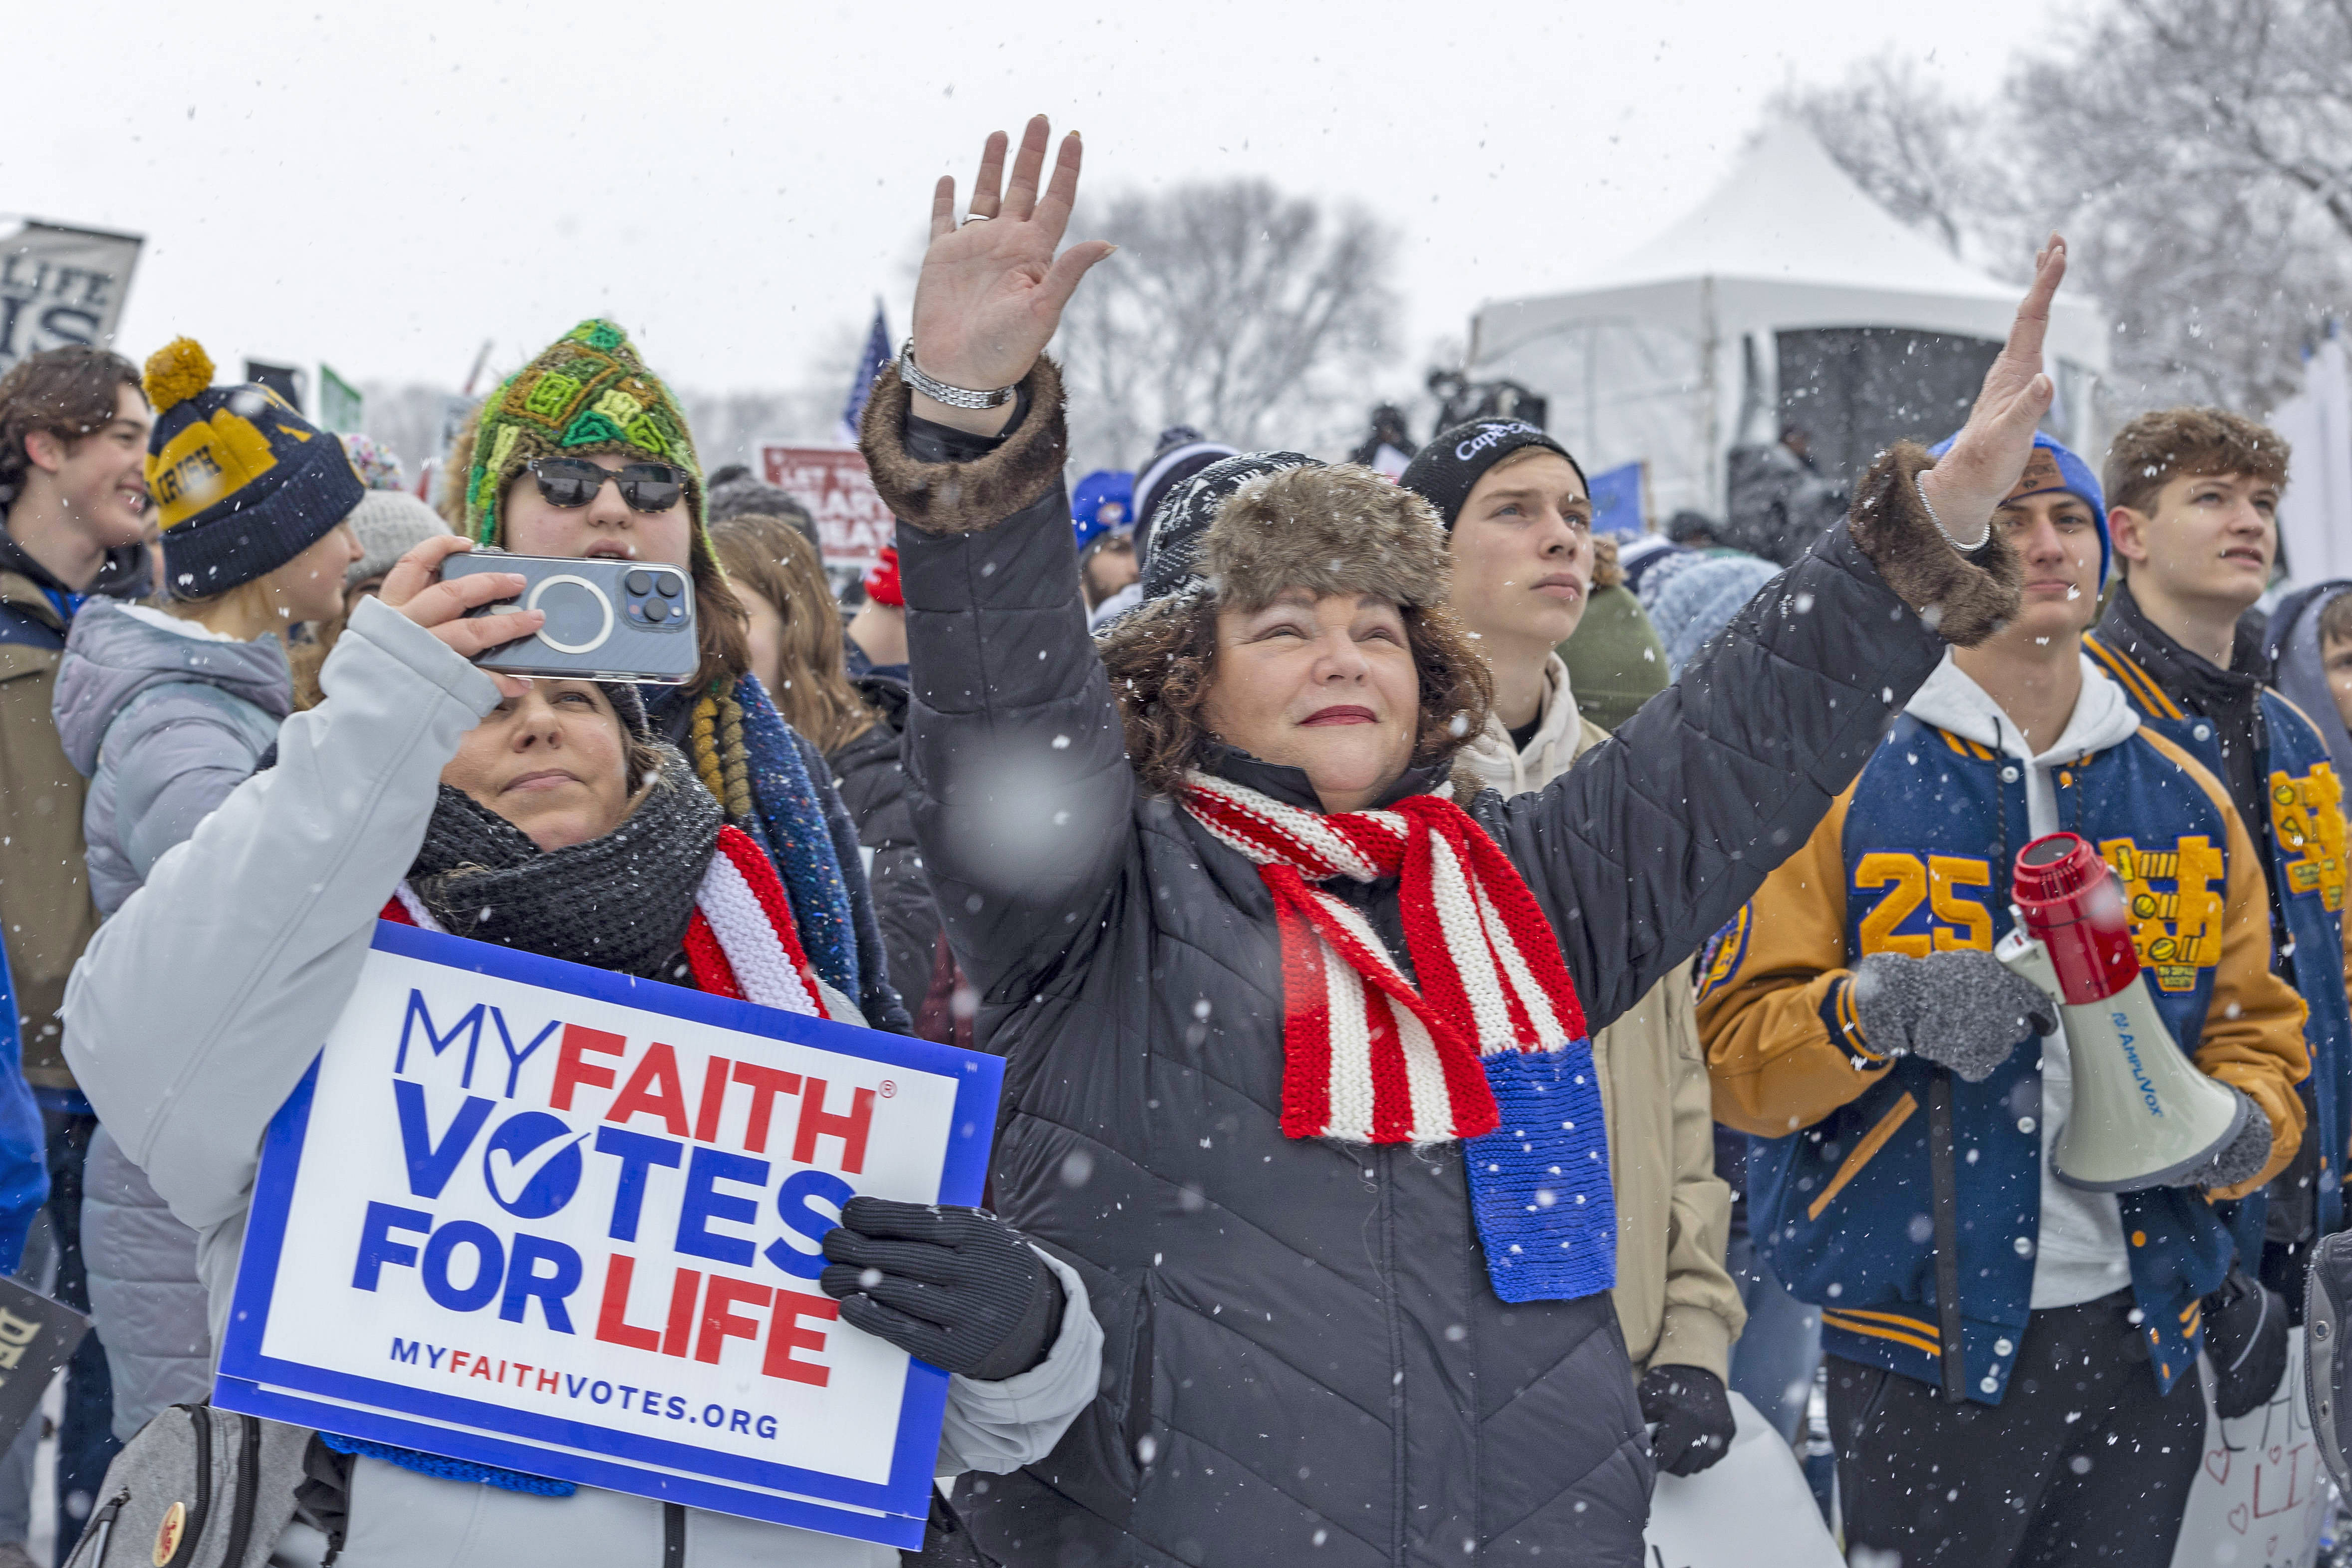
[(2143, 1115)]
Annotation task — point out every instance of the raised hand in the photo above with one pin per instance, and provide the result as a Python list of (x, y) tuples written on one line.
[(416, 588), (992, 290), (1989, 457)]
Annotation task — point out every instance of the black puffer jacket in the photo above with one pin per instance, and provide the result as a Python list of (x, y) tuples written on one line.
[(873, 780), (1305, 1362)]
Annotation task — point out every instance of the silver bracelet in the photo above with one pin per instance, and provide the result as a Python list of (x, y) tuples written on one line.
[(1946, 532), (941, 391)]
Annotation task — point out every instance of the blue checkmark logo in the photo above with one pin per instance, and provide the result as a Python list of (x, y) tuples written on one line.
[(532, 1164)]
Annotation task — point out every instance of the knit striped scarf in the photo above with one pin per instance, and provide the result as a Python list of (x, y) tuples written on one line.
[(744, 753), (1485, 1042)]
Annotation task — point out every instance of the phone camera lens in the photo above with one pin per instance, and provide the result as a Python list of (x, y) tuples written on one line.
[(669, 583), (640, 581)]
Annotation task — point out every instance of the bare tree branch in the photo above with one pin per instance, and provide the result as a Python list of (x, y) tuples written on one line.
[(1252, 315)]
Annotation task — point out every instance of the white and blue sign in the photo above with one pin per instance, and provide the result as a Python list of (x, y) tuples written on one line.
[(540, 1216)]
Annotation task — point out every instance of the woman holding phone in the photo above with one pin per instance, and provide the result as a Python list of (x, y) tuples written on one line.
[(547, 816), (584, 453)]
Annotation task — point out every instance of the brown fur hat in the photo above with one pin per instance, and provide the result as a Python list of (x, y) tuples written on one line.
[(1337, 529)]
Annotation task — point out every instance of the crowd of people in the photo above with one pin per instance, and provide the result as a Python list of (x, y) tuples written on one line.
[(1491, 1012)]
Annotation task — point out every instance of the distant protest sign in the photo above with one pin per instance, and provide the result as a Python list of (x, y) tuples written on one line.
[(61, 286), (565, 1222), (852, 525)]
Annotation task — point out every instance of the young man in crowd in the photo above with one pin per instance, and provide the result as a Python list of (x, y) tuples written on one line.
[(2193, 496), (2013, 1360), (73, 453), (1520, 528)]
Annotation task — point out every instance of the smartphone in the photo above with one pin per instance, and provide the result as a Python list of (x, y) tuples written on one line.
[(607, 619)]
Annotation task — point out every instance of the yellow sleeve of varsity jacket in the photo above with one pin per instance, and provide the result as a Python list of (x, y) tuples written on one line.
[(1778, 979), (2252, 1039)]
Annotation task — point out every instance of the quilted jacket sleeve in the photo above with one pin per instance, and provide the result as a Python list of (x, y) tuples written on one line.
[(873, 782), (175, 756), (1658, 835), (1017, 778)]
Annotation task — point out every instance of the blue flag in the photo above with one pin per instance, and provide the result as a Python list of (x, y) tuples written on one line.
[(869, 365), (1617, 501)]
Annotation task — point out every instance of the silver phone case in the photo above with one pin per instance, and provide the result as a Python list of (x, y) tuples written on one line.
[(600, 627)]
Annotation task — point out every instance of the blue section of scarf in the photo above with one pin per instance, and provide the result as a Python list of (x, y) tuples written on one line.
[(449, 1469), (790, 825), (1539, 1189)]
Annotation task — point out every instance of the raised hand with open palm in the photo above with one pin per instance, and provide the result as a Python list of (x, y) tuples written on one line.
[(1988, 455), (992, 291)]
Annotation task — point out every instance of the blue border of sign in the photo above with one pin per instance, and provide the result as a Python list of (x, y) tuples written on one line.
[(258, 1385)]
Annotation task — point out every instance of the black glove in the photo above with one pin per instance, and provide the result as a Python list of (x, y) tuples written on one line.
[(1693, 1414), (954, 1287), (1963, 1009), (2246, 1341), (2242, 1158)]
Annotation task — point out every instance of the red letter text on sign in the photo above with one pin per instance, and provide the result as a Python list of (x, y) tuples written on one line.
[(682, 1292), (714, 1100), (786, 1335), (766, 1084), (612, 1325), (654, 1087), (718, 1323), (571, 1071), (816, 1121)]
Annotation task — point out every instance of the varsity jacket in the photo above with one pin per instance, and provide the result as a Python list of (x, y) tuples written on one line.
[(1915, 856), (2302, 834)]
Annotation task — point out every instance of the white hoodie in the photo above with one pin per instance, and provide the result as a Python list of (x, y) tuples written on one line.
[(2081, 1254)]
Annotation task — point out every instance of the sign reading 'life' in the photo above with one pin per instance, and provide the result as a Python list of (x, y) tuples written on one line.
[(565, 1222)]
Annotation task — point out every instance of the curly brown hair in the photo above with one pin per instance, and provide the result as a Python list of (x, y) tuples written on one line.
[(1164, 661)]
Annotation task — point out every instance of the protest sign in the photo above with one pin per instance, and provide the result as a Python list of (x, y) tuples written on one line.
[(566, 1221), (1751, 1509), (2261, 1497), (61, 286), (852, 524), (36, 1335)]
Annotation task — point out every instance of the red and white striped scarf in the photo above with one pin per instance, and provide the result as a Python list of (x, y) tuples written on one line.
[(1368, 1058), (741, 942)]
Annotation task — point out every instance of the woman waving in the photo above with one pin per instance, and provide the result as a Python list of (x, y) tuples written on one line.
[(1297, 1074)]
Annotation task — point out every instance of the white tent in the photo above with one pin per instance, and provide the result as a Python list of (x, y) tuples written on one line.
[(1665, 354), (2316, 514)]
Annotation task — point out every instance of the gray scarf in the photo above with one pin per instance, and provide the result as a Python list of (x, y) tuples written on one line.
[(620, 902)]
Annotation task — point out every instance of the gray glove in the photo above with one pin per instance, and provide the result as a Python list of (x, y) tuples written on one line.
[(1963, 1010), (2240, 1157)]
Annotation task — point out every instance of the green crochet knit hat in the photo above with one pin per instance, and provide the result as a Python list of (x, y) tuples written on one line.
[(587, 393)]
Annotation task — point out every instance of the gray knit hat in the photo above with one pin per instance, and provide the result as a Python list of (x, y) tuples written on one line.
[(389, 524)]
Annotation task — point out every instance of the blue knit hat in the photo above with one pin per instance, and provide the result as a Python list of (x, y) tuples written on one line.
[(1092, 496), (2054, 467), (242, 483)]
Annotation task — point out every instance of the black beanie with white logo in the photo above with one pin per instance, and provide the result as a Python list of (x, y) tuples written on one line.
[(1448, 468)]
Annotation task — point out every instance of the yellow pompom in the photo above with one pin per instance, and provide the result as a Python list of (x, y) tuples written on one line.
[(177, 372)]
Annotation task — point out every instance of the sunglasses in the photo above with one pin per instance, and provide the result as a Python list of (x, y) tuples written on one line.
[(573, 482)]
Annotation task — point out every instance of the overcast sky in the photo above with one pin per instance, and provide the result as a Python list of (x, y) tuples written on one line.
[(384, 190)]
